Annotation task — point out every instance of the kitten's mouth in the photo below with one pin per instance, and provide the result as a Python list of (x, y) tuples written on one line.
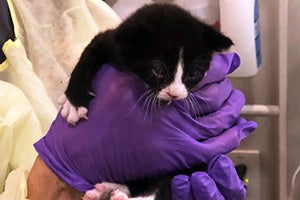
[(164, 102)]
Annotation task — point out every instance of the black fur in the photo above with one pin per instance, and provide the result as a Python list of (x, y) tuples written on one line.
[(149, 40)]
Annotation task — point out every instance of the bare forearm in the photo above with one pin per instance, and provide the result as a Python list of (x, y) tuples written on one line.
[(42, 183)]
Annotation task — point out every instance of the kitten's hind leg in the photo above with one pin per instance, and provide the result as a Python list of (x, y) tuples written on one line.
[(105, 191), (92, 195), (118, 195)]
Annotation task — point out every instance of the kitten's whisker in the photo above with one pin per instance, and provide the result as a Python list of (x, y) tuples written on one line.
[(187, 103), (185, 106), (193, 110), (199, 106), (157, 104), (194, 105), (150, 107), (147, 105), (153, 106), (207, 104), (139, 100), (203, 100)]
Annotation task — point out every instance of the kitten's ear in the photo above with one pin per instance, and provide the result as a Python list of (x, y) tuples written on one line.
[(216, 40)]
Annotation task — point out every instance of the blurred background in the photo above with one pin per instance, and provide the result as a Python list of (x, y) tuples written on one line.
[(36, 57)]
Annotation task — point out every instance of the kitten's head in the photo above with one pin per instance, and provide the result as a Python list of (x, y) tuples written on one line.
[(168, 48)]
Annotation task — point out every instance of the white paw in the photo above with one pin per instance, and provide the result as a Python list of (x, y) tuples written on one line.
[(118, 195), (100, 192), (92, 195), (82, 112), (70, 112), (112, 187)]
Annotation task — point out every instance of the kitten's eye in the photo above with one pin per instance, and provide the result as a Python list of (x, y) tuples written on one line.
[(158, 72), (158, 68), (193, 73)]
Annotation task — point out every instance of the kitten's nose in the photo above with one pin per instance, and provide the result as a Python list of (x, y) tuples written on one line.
[(176, 96), (173, 96), (176, 91)]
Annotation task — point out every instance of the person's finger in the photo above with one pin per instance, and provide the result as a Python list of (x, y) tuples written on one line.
[(222, 170), (224, 118), (181, 188), (204, 187), (211, 97), (223, 143)]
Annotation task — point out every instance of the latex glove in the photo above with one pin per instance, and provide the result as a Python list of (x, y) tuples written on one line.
[(219, 183), (120, 143)]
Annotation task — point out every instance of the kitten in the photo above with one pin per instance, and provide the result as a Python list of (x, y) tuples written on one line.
[(167, 48)]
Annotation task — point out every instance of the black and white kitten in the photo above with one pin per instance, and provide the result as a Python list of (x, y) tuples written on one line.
[(167, 48)]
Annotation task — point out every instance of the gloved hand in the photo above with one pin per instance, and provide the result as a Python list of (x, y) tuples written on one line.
[(219, 183), (128, 138)]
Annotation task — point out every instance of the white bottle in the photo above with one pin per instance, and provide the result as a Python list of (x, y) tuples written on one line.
[(239, 20)]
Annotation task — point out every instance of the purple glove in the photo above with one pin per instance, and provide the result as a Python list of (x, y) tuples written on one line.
[(219, 183), (121, 142)]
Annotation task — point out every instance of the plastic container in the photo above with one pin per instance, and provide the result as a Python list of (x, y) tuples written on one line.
[(239, 20)]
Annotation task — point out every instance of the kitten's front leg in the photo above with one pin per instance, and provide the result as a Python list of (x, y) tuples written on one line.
[(79, 91), (70, 112)]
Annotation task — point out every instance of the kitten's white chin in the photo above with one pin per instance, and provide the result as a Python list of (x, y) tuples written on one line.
[(166, 95), (165, 99)]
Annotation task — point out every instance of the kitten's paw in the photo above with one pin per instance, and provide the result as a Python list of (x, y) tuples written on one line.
[(73, 116), (105, 190), (62, 99), (100, 192), (118, 195), (70, 112), (82, 112), (92, 195)]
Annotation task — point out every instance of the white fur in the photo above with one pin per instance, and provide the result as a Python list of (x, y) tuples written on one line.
[(119, 192), (70, 112), (152, 197), (118, 195), (176, 90)]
